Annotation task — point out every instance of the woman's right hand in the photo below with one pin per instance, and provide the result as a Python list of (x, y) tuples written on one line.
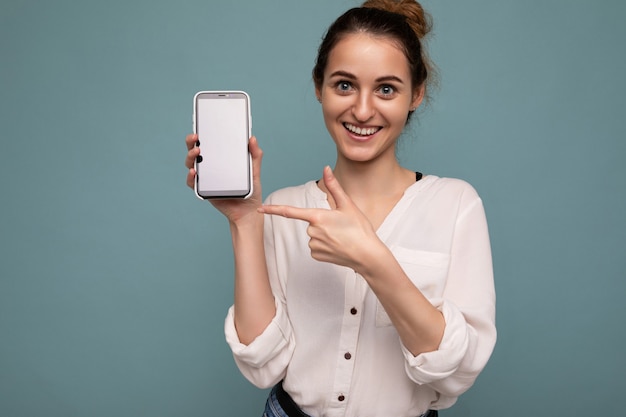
[(235, 209)]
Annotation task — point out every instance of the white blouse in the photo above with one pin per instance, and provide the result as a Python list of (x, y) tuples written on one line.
[(331, 340)]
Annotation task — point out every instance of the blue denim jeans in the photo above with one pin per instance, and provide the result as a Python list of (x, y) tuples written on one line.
[(273, 408)]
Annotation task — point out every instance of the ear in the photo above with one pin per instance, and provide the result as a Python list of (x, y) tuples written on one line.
[(418, 97), (318, 94)]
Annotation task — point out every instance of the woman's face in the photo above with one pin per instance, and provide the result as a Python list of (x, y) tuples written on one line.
[(366, 96)]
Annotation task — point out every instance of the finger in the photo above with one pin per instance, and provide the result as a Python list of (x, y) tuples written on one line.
[(192, 155), (257, 156), (191, 141), (254, 148), (289, 212), (334, 188), (191, 178)]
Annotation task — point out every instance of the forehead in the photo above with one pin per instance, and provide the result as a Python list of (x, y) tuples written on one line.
[(366, 56)]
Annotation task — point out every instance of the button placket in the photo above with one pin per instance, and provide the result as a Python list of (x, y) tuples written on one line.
[(355, 289)]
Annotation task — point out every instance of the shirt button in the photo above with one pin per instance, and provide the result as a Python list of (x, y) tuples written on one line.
[(353, 311), (347, 355), (341, 398)]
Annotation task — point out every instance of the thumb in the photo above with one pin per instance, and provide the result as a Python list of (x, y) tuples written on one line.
[(334, 188)]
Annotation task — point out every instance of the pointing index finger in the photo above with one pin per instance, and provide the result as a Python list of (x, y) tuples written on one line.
[(289, 212)]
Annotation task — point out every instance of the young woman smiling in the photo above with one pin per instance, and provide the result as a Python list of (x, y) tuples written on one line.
[(370, 292)]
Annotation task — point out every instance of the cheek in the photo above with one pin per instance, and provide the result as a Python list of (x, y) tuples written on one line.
[(396, 115), (332, 109), (327, 115), (330, 120)]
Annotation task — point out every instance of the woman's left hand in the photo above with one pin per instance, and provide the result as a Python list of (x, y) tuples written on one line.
[(343, 235)]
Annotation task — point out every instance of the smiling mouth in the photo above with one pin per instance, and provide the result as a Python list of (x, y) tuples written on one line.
[(361, 131)]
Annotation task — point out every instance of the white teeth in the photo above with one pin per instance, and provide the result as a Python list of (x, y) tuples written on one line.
[(361, 131)]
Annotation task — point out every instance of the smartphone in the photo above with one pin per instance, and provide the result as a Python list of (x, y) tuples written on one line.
[(223, 123)]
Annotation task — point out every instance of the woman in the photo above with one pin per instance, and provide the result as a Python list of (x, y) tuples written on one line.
[(370, 292)]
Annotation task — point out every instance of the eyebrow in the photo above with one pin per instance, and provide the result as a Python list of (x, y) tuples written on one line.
[(350, 76)]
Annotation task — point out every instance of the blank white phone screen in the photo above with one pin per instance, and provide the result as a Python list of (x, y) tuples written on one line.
[(222, 127)]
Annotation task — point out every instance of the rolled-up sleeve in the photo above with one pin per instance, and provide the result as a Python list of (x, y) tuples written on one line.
[(264, 361)]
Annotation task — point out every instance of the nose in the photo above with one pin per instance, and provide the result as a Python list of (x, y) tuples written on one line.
[(363, 108)]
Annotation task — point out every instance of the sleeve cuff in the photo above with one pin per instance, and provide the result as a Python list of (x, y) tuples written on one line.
[(264, 347), (428, 367)]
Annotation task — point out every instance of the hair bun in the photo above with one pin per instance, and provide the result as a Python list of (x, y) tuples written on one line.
[(419, 20)]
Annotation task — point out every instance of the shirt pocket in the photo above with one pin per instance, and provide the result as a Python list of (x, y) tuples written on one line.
[(427, 271)]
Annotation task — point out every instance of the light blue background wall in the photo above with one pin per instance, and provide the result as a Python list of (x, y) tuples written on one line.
[(114, 279)]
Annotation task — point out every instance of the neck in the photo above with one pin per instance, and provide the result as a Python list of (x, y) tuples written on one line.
[(373, 179)]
